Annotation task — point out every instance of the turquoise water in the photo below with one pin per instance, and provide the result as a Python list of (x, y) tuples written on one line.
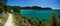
[(38, 14)]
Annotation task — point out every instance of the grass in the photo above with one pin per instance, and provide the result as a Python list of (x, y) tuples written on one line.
[(3, 18), (17, 19)]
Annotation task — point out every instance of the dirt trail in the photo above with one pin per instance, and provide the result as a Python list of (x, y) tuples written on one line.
[(9, 20)]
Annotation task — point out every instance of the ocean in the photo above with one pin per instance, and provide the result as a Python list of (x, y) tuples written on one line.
[(37, 14)]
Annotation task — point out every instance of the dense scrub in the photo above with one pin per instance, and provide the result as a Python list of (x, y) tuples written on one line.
[(3, 18)]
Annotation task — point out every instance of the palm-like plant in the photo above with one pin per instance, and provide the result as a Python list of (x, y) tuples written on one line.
[(54, 18)]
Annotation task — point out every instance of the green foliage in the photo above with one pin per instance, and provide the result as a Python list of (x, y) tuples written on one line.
[(16, 8), (2, 4), (54, 18), (1, 8)]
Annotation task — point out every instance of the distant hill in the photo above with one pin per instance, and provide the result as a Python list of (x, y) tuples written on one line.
[(31, 8)]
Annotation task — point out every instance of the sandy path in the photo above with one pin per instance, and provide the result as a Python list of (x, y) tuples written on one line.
[(9, 20)]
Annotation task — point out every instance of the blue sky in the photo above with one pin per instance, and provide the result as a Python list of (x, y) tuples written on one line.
[(55, 4)]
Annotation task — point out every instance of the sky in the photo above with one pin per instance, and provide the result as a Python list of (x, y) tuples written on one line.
[(54, 4)]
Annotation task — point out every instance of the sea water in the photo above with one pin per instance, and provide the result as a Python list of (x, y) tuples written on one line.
[(37, 14)]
